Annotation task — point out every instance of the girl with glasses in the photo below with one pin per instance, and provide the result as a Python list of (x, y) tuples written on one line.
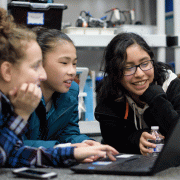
[(136, 93)]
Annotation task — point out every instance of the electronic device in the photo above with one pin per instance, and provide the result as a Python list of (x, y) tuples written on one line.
[(89, 21), (133, 164), (35, 174)]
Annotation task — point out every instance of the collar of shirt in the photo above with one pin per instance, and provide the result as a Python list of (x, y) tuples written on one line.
[(52, 107), (138, 112)]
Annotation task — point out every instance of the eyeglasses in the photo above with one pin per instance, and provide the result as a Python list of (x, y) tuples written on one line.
[(144, 66)]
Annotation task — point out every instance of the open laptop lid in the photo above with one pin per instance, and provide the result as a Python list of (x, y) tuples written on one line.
[(169, 157), (170, 154)]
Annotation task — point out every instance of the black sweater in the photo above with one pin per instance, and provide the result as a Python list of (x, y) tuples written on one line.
[(163, 111)]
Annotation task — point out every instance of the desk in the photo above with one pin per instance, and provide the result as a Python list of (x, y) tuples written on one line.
[(67, 174)]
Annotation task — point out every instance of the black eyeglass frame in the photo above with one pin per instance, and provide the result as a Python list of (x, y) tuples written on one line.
[(139, 65)]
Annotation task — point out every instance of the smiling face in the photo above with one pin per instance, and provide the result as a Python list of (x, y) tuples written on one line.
[(60, 66), (137, 83)]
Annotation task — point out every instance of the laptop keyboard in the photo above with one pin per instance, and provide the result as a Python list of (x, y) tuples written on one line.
[(134, 163)]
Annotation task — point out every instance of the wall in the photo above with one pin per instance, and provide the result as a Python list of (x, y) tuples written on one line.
[(3, 4), (90, 57), (145, 11), (97, 8)]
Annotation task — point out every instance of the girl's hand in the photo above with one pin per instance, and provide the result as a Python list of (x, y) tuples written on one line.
[(79, 145), (92, 143), (25, 99), (86, 144), (86, 153), (143, 143)]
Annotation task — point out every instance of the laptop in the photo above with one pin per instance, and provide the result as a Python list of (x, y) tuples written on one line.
[(133, 164)]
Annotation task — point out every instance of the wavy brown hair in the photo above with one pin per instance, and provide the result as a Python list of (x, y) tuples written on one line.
[(13, 38)]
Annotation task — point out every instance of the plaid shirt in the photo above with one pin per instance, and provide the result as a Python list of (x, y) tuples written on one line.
[(13, 153)]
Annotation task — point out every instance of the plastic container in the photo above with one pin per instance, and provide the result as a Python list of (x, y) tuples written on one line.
[(48, 15), (159, 141)]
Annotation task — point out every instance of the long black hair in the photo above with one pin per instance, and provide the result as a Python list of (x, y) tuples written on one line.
[(114, 61)]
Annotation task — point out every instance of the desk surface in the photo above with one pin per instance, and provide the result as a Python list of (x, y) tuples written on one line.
[(67, 174)]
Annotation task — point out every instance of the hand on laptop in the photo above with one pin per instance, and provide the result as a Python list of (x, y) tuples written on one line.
[(87, 143), (89, 154), (77, 145)]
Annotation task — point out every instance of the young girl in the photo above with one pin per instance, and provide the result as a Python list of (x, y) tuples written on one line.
[(56, 119), (20, 74), (136, 93)]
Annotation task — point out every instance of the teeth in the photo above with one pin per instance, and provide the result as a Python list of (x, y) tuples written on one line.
[(140, 83), (69, 81)]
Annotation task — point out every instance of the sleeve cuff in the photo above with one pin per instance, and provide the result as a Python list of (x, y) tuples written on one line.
[(151, 93), (84, 141), (63, 145), (68, 155)]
